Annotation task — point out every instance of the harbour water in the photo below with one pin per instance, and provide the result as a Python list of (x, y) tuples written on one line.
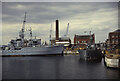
[(55, 67)]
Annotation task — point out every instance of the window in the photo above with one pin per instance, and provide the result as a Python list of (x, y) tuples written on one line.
[(83, 41), (112, 36), (112, 41), (116, 41), (78, 42)]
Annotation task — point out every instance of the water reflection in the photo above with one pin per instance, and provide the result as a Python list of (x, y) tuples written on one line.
[(55, 67)]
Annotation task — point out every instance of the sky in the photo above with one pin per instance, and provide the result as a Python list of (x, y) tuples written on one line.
[(98, 17)]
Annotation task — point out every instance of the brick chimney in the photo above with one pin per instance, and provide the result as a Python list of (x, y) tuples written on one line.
[(57, 30)]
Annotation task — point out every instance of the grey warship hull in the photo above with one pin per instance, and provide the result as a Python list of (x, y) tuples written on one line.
[(33, 51), (90, 55)]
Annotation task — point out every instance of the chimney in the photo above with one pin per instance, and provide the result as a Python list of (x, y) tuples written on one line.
[(57, 30)]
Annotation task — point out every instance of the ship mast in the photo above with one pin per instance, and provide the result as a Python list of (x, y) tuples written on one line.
[(30, 30)]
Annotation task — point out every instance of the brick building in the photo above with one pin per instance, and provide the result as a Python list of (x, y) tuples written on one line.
[(114, 39), (82, 40)]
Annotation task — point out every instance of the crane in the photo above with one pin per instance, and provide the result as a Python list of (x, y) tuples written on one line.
[(23, 28), (67, 30), (21, 33)]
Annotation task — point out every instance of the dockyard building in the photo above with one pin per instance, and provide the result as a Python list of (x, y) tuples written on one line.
[(113, 40), (81, 41)]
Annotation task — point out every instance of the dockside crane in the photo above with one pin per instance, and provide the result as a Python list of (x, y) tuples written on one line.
[(23, 27), (22, 32), (67, 30)]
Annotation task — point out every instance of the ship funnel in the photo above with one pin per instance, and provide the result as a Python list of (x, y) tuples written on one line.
[(57, 30)]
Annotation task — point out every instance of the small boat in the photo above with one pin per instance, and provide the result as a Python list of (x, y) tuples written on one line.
[(112, 60)]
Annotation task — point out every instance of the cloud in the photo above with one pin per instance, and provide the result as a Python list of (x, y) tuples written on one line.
[(62, 1), (100, 17)]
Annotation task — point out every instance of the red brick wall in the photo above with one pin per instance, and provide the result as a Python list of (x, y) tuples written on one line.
[(114, 38), (78, 39)]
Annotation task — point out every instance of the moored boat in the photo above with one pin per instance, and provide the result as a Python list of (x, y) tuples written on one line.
[(112, 59), (90, 55)]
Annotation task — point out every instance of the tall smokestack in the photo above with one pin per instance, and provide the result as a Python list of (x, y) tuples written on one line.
[(57, 30)]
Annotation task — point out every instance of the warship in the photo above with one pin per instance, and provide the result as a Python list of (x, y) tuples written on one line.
[(32, 46), (90, 53)]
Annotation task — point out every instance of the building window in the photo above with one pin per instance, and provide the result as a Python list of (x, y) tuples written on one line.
[(116, 41), (112, 36), (82, 41), (112, 41)]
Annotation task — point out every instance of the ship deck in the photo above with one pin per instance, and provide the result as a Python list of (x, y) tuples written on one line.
[(113, 56)]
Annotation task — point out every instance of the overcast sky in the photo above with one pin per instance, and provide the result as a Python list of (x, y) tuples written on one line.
[(98, 17)]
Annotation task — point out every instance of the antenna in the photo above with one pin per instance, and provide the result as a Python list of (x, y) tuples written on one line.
[(90, 32), (50, 33), (30, 33)]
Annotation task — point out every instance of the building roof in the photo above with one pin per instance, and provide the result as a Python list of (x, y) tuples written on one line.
[(118, 30), (83, 36)]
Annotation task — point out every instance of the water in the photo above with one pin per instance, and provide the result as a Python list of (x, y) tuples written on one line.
[(55, 67)]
